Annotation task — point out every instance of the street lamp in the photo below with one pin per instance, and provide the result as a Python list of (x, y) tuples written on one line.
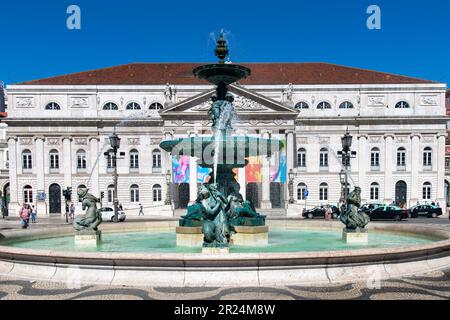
[(346, 141), (291, 176), (114, 141), (168, 201), (346, 154)]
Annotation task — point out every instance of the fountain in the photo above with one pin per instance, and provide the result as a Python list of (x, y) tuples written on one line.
[(220, 211)]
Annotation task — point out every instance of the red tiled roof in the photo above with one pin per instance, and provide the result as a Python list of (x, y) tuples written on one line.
[(262, 73)]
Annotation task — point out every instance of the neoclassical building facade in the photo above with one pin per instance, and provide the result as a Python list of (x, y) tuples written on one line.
[(58, 132)]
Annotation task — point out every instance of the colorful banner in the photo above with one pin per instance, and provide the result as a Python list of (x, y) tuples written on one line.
[(180, 167), (203, 174), (253, 170)]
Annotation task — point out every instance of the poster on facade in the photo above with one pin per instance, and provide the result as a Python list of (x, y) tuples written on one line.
[(180, 169), (203, 174), (278, 165)]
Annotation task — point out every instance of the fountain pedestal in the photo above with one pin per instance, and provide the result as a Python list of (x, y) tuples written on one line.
[(189, 236), (250, 236), (89, 238), (350, 236)]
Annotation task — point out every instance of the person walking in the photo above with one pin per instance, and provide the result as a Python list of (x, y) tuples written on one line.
[(72, 212), (23, 213), (141, 209), (328, 213), (33, 214)]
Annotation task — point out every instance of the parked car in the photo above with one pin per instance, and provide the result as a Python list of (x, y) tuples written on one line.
[(370, 206), (388, 213), (108, 214), (425, 210), (319, 212)]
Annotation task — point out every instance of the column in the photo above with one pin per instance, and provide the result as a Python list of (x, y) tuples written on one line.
[(166, 158), (265, 201), (193, 190), (415, 165), (440, 159), (41, 206), (363, 162), (93, 155), (242, 180), (388, 161), (67, 165), (13, 163), (290, 160)]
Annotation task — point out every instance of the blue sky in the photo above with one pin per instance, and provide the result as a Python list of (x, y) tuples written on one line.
[(35, 42)]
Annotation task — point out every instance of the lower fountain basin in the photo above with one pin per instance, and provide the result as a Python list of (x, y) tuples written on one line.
[(416, 249)]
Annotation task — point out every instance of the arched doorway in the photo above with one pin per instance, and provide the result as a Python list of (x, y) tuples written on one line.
[(251, 194), (183, 195), (276, 194), (401, 190), (5, 199), (54, 192)]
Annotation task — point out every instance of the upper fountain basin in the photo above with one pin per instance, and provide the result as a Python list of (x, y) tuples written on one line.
[(222, 73), (231, 146)]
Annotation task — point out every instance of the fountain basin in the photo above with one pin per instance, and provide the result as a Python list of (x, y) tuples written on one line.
[(235, 269)]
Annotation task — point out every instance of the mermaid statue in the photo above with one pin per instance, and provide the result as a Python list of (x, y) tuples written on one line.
[(353, 219), (93, 217)]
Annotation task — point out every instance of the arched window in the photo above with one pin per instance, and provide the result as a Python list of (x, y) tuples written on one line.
[(426, 191), (427, 158), (324, 105), (374, 191), (52, 106), (134, 193), (27, 163), (133, 106), (156, 106), (157, 193), (401, 158), (110, 106), (134, 159), (346, 105), (28, 194), (301, 188), (323, 158), (402, 105), (156, 159), (81, 160), (54, 160), (323, 192), (111, 193), (375, 159), (302, 105), (110, 161), (301, 158)]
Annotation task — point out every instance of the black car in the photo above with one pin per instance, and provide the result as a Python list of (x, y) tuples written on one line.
[(319, 212), (425, 210), (366, 208), (388, 213)]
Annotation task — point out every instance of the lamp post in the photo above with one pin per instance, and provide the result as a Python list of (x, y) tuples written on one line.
[(168, 201), (342, 180), (346, 154), (114, 141), (291, 175)]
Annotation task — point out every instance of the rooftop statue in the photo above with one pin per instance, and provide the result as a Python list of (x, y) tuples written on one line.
[(93, 217), (353, 219)]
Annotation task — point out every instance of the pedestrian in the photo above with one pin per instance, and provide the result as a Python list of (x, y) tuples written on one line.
[(433, 203), (29, 213), (438, 205), (33, 214), (120, 207), (72, 212), (23, 213), (328, 213), (141, 210)]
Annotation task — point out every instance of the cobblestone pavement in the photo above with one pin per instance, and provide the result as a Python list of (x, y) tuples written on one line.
[(429, 286)]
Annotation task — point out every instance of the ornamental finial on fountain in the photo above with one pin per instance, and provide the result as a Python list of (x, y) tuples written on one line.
[(221, 50)]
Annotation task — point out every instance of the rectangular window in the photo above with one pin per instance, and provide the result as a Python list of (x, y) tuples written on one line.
[(301, 160), (157, 196), (26, 162), (110, 195), (323, 194), (134, 195), (134, 161), (54, 161), (324, 160), (374, 193), (81, 161), (427, 159), (401, 159), (111, 162), (157, 160)]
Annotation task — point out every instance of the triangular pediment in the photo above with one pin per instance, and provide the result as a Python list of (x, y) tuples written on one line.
[(247, 104)]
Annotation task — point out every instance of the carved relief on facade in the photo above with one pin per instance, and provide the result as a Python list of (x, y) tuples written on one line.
[(376, 101), (79, 102), (428, 100), (428, 139), (53, 141), (80, 141), (324, 140), (134, 141), (302, 140), (25, 102), (26, 141), (375, 139), (240, 104), (402, 139)]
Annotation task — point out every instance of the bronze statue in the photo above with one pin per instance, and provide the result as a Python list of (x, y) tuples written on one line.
[(222, 113), (353, 219), (93, 217)]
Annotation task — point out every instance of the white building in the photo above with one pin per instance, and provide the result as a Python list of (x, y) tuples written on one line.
[(58, 130)]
